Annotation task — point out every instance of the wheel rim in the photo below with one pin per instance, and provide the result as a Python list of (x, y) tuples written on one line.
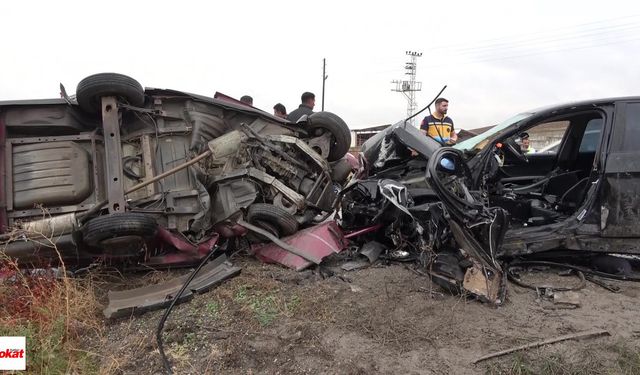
[(122, 246)]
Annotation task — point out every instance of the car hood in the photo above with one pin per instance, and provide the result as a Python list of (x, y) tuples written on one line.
[(397, 141)]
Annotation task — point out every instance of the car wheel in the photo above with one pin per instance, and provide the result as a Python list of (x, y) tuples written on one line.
[(91, 90), (273, 219), (340, 171), (340, 133), (112, 230)]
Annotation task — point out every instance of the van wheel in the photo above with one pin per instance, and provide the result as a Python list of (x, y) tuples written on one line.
[(273, 219), (320, 122), (91, 90), (340, 171), (115, 229)]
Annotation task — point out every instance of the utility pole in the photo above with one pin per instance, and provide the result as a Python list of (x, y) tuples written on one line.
[(324, 78), (408, 87)]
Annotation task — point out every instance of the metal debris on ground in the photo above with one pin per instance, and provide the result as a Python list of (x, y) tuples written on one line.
[(127, 302), (568, 299)]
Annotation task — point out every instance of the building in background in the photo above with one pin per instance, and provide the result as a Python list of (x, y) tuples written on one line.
[(360, 136)]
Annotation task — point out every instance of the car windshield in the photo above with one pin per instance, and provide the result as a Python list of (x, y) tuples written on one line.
[(480, 141)]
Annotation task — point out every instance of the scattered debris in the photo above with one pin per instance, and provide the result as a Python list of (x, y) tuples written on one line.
[(597, 281), (355, 265), (568, 299), (372, 250)]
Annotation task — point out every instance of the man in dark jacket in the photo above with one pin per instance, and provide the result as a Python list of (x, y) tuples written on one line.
[(306, 108)]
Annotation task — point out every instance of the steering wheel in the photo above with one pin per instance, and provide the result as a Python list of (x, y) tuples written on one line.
[(514, 149)]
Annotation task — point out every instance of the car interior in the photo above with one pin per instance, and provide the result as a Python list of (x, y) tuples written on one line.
[(539, 188)]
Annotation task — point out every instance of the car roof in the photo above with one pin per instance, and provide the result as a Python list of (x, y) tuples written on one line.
[(580, 103)]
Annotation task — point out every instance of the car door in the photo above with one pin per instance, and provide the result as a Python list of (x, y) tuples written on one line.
[(620, 203)]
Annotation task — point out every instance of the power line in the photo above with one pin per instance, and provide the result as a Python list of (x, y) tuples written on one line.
[(466, 44), (534, 53), (610, 35), (529, 50), (549, 39)]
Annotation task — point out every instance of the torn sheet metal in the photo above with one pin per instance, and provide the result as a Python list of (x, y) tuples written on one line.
[(367, 255), (181, 244), (484, 284), (126, 302), (372, 250), (187, 253), (395, 193), (318, 241)]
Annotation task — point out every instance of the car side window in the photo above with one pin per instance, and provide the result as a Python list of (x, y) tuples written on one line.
[(545, 138), (632, 128), (591, 136)]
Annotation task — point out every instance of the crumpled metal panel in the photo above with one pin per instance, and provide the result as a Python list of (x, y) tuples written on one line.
[(123, 303), (620, 211), (322, 163), (318, 241), (206, 127), (231, 197)]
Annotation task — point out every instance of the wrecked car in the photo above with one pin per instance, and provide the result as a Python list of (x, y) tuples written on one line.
[(468, 211), (155, 176)]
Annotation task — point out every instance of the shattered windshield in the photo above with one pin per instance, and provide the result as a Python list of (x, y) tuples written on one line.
[(480, 141)]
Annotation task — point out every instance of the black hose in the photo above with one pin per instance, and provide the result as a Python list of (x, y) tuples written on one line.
[(427, 106), (165, 361), (517, 281)]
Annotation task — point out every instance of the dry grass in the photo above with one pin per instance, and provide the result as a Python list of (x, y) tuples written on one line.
[(53, 311)]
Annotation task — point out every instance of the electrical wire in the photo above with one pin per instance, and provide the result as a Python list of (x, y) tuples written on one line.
[(557, 46), (621, 29), (427, 106), (531, 54), (553, 31), (165, 361)]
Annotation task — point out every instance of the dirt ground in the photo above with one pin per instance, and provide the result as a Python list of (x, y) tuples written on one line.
[(384, 319)]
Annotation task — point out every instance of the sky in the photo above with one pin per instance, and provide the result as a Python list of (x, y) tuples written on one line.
[(497, 58)]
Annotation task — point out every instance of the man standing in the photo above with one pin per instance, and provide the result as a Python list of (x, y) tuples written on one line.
[(438, 125), (279, 110), (306, 108), (526, 145)]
